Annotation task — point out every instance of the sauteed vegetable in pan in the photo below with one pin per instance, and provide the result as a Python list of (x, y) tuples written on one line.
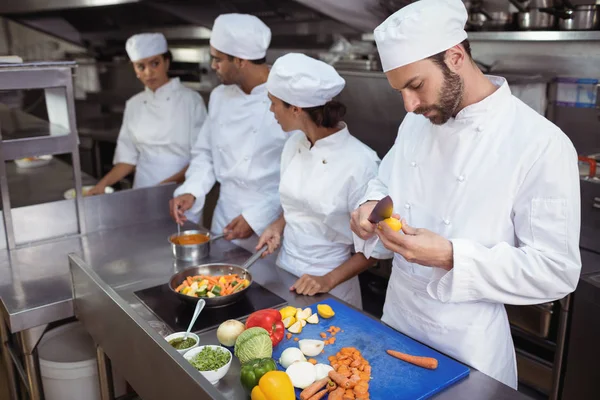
[(212, 286)]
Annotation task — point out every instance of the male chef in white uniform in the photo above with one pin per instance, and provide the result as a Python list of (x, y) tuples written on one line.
[(241, 142), (488, 190)]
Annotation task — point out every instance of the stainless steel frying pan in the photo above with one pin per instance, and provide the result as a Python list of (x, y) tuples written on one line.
[(215, 270)]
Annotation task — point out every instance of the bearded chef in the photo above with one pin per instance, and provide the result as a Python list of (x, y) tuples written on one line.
[(160, 124), (240, 144), (324, 173), (488, 190)]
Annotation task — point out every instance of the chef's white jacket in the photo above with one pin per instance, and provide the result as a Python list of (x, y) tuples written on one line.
[(158, 131), (240, 147), (502, 184), (319, 188)]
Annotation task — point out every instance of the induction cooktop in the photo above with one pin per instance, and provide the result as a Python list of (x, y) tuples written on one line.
[(177, 314)]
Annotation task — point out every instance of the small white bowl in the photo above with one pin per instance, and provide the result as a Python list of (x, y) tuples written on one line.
[(178, 335), (212, 376)]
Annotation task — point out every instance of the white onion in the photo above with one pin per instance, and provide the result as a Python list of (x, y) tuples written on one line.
[(290, 356), (310, 347), (302, 373), (229, 331), (322, 371)]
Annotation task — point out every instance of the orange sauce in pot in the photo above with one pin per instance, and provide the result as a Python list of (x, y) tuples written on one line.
[(195, 238)]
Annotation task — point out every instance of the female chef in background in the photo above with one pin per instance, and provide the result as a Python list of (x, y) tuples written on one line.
[(160, 124), (324, 173)]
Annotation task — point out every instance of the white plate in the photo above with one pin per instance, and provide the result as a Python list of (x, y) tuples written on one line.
[(33, 162), (70, 194)]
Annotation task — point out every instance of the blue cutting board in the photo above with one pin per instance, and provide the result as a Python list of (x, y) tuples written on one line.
[(390, 378)]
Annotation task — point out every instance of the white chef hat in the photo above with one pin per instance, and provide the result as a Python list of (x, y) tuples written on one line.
[(420, 30), (145, 45), (241, 35), (304, 81)]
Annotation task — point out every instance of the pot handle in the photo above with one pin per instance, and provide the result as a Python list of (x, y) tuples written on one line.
[(215, 237), (592, 163), (487, 14), (557, 13), (568, 4), (519, 6), (254, 257)]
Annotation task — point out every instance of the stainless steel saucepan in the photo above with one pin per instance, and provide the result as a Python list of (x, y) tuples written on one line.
[(581, 17), (192, 252), (216, 269)]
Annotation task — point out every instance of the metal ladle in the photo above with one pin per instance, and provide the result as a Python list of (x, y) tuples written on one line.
[(199, 306)]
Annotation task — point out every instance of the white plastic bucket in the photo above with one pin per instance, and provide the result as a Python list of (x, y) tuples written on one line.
[(68, 365)]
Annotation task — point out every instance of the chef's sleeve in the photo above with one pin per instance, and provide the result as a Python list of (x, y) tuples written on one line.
[(200, 176), (356, 195), (126, 151), (545, 264), (262, 214)]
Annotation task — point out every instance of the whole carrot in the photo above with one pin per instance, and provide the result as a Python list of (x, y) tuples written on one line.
[(425, 362), (311, 390), (319, 395), (340, 379)]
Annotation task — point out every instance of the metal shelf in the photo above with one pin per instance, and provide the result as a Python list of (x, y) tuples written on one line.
[(525, 36), (545, 343), (36, 146), (39, 75), (536, 36), (25, 135)]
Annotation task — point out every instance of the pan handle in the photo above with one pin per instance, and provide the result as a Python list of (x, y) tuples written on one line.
[(215, 237), (255, 257)]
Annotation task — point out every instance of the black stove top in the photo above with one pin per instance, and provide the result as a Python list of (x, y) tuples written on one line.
[(177, 314)]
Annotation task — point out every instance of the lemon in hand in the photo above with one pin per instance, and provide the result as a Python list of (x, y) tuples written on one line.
[(393, 223)]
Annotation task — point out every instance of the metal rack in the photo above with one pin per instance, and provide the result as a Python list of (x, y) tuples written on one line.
[(58, 137), (525, 36)]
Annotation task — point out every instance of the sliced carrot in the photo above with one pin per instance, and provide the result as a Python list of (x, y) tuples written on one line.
[(296, 339), (288, 335), (312, 361)]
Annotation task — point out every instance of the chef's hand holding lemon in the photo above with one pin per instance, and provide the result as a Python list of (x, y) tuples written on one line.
[(394, 223), (416, 245)]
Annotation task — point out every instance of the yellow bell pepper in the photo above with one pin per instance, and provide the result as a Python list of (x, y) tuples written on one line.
[(274, 385)]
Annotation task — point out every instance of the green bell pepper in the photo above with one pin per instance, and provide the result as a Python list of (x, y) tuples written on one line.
[(254, 370)]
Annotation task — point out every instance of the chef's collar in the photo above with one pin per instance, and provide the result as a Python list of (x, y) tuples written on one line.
[(259, 89), (493, 101), (331, 141), (256, 90), (165, 90)]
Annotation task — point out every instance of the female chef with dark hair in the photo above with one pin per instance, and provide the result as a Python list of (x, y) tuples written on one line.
[(324, 173), (160, 124)]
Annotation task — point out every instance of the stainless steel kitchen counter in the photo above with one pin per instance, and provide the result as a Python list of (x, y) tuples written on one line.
[(138, 257)]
